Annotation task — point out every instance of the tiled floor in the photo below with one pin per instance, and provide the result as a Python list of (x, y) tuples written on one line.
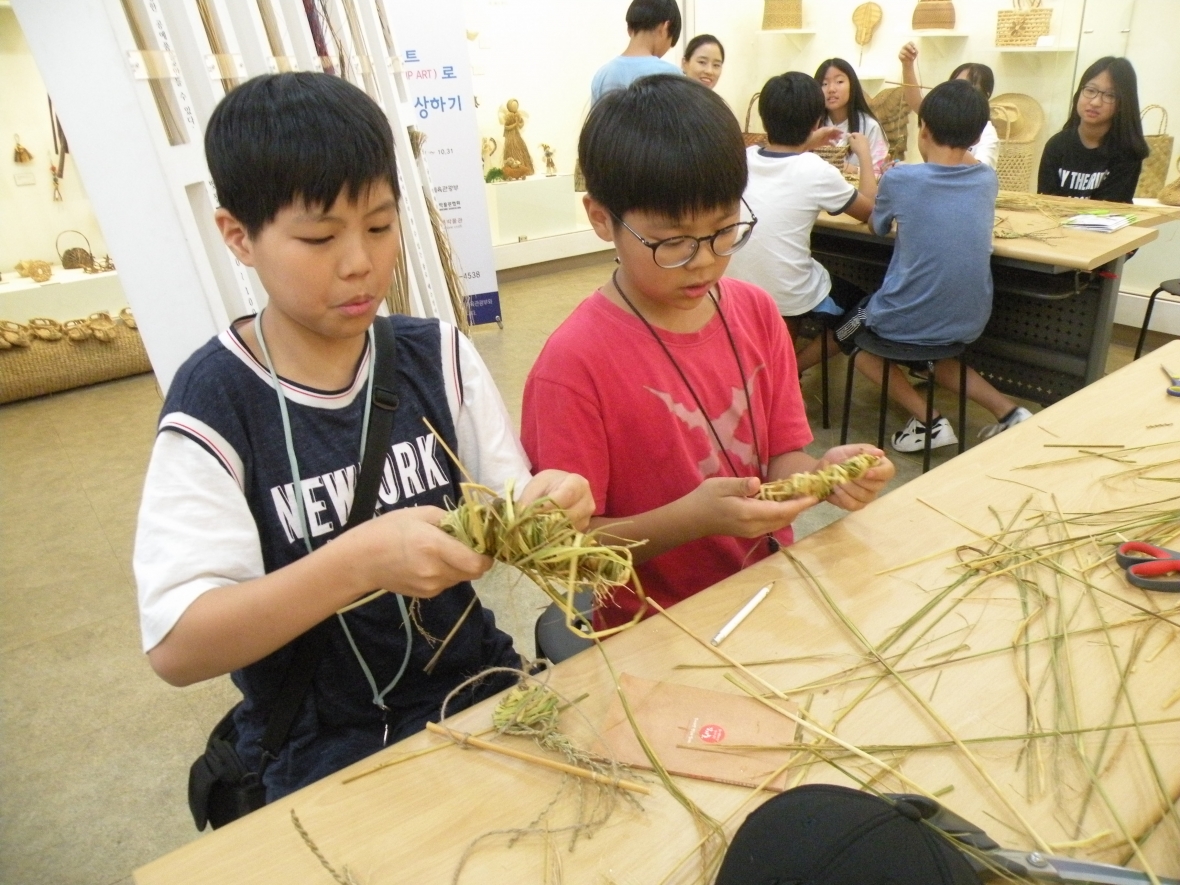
[(95, 748)]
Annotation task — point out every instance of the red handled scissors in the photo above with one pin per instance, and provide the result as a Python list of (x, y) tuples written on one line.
[(1150, 567)]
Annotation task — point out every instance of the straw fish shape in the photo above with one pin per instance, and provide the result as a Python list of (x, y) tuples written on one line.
[(541, 542), (821, 483)]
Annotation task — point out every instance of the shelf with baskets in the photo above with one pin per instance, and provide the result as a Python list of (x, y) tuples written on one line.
[(1035, 49), (940, 34)]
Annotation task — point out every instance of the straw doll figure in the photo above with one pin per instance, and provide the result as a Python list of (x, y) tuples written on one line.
[(514, 147)]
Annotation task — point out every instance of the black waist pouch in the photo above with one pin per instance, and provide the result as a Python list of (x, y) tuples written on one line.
[(220, 786)]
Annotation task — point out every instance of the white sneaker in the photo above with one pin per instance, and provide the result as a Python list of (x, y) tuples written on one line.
[(1020, 413), (912, 437)]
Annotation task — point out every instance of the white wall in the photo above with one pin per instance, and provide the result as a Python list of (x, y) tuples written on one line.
[(30, 220)]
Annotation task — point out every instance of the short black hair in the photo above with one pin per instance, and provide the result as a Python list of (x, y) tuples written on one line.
[(647, 15), (978, 75), (702, 40), (284, 137), (790, 105), (955, 113), (665, 145)]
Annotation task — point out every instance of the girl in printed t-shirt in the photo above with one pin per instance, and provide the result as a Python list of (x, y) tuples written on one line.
[(675, 389), (1101, 149), (849, 110)]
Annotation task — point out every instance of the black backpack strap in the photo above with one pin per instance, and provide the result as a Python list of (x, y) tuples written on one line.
[(309, 647)]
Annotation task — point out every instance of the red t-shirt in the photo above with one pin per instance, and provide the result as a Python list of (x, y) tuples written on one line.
[(604, 400)]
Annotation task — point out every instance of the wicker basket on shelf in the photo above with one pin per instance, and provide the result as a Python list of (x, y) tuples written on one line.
[(1018, 119), (1155, 167), (1023, 25), (782, 15), (933, 14), (46, 356)]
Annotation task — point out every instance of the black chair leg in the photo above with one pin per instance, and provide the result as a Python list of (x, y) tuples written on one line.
[(847, 398), (823, 375), (884, 403), (929, 418), (1146, 322), (962, 405)]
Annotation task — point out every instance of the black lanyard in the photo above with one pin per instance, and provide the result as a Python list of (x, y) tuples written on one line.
[(772, 542)]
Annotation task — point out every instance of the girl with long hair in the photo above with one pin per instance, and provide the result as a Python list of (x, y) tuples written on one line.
[(1099, 152), (987, 149), (849, 110)]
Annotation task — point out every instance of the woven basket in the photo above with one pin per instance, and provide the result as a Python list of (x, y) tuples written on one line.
[(1170, 195), (929, 14), (48, 364), (1155, 167), (752, 138), (75, 256), (893, 113), (1024, 25), (1015, 165), (779, 15), (834, 154)]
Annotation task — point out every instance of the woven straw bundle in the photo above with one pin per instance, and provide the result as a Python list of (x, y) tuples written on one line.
[(45, 356), (1155, 167)]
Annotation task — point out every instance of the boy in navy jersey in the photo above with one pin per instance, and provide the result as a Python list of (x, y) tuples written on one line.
[(232, 557)]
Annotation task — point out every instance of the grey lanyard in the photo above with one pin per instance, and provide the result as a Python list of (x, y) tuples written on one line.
[(378, 696)]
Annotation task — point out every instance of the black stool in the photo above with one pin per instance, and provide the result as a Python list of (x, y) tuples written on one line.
[(1172, 287), (896, 352), (555, 642)]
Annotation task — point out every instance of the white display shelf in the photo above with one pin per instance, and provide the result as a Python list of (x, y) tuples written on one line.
[(941, 34), (798, 32), (1035, 49), (67, 295)]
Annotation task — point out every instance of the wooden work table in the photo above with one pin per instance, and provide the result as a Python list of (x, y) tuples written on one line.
[(1054, 301), (413, 822)]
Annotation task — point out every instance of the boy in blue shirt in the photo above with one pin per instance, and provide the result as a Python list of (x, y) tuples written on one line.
[(255, 463), (938, 288), (654, 28)]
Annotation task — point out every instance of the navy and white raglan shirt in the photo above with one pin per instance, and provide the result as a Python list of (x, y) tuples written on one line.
[(1070, 169), (218, 509)]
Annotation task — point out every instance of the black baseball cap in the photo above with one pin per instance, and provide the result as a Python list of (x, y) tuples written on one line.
[(823, 834)]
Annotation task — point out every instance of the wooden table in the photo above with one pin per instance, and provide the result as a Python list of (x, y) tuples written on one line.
[(1054, 299), (412, 822)]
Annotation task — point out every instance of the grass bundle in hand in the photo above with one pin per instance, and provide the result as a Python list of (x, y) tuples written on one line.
[(821, 483), (540, 541)]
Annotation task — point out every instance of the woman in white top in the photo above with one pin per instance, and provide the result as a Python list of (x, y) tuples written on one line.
[(987, 149), (849, 110)]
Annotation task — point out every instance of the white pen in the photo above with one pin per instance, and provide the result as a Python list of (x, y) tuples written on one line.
[(741, 616)]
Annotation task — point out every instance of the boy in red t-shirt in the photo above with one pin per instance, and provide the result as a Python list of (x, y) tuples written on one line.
[(674, 391)]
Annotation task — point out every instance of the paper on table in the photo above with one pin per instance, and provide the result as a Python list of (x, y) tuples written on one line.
[(1101, 223), (700, 733)]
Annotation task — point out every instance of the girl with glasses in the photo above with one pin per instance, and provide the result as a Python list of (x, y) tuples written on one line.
[(1100, 151)]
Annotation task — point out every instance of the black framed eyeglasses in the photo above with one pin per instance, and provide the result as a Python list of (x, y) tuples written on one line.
[(679, 251), (1092, 92)]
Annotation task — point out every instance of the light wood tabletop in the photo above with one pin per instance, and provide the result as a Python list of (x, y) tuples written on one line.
[(1064, 248), (1039, 658)]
